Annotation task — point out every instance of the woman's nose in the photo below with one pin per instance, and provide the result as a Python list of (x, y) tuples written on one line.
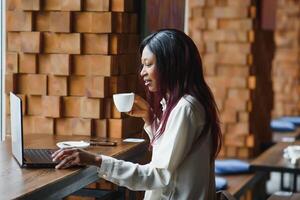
[(143, 72)]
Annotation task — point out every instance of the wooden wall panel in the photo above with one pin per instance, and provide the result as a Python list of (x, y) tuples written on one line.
[(221, 32), (286, 64), (250, 52), (62, 56)]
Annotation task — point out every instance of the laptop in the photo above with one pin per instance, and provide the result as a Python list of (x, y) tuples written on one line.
[(35, 158)]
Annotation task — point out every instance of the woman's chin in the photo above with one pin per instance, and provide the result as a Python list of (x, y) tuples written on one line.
[(151, 89)]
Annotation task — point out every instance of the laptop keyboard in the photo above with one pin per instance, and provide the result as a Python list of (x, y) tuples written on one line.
[(38, 155)]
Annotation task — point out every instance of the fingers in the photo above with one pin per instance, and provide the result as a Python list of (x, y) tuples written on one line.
[(69, 164), (140, 108), (138, 97), (69, 157), (60, 154), (56, 152), (66, 162), (142, 103), (137, 112)]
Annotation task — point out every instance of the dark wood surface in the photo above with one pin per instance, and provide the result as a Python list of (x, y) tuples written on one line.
[(262, 50), (295, 196), (164, 14), (24, 183), (273, 160), (238, 184)]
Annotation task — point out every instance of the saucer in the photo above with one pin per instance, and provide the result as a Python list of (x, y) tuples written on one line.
[(73, 144), (133, 140)]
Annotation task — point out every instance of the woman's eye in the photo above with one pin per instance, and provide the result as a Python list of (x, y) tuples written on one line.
[(147, 65)]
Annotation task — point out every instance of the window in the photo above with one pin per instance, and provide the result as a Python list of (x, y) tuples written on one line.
[(2, 68)]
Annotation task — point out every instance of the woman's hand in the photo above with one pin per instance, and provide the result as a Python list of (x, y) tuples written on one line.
[(74, 156), (140, 108)]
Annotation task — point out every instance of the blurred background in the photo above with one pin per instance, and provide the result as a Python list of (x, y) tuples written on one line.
[(65, 59)]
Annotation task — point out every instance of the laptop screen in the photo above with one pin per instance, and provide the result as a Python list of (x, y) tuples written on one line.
[(16, 127)]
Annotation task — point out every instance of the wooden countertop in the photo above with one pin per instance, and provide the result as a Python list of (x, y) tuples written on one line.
[(50, 183)]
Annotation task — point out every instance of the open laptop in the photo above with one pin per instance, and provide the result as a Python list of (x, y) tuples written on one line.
[(38, 158)]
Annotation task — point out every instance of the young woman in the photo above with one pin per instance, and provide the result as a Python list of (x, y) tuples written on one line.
[(181, 120)]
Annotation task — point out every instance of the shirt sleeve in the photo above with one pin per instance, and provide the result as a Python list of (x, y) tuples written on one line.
[(174, 145), (132, 175)]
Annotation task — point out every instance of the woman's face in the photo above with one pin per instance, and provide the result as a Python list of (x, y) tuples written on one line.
[(149, 71)]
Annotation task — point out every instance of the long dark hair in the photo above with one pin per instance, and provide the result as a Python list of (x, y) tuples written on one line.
[(180, 72)]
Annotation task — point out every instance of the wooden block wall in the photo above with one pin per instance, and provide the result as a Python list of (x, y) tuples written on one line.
[(223, 33), (286, 62), (66, 58)]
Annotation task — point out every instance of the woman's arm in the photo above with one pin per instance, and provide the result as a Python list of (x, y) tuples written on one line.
[(133, 176)]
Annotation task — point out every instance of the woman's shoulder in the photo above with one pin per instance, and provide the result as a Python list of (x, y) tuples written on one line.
[(191, 103)]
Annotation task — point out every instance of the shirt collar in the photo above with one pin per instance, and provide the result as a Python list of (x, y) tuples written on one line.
[(163, 103)]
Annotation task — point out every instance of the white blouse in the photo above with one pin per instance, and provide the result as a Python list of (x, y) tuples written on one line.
[(175, 171)]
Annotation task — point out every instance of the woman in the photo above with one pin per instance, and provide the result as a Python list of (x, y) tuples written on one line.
[(181, 121)]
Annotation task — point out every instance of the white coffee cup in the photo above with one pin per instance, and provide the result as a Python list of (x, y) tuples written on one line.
[(124, 101), (292, 152)]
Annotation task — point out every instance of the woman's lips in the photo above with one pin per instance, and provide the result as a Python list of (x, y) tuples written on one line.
[(147, 82)]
